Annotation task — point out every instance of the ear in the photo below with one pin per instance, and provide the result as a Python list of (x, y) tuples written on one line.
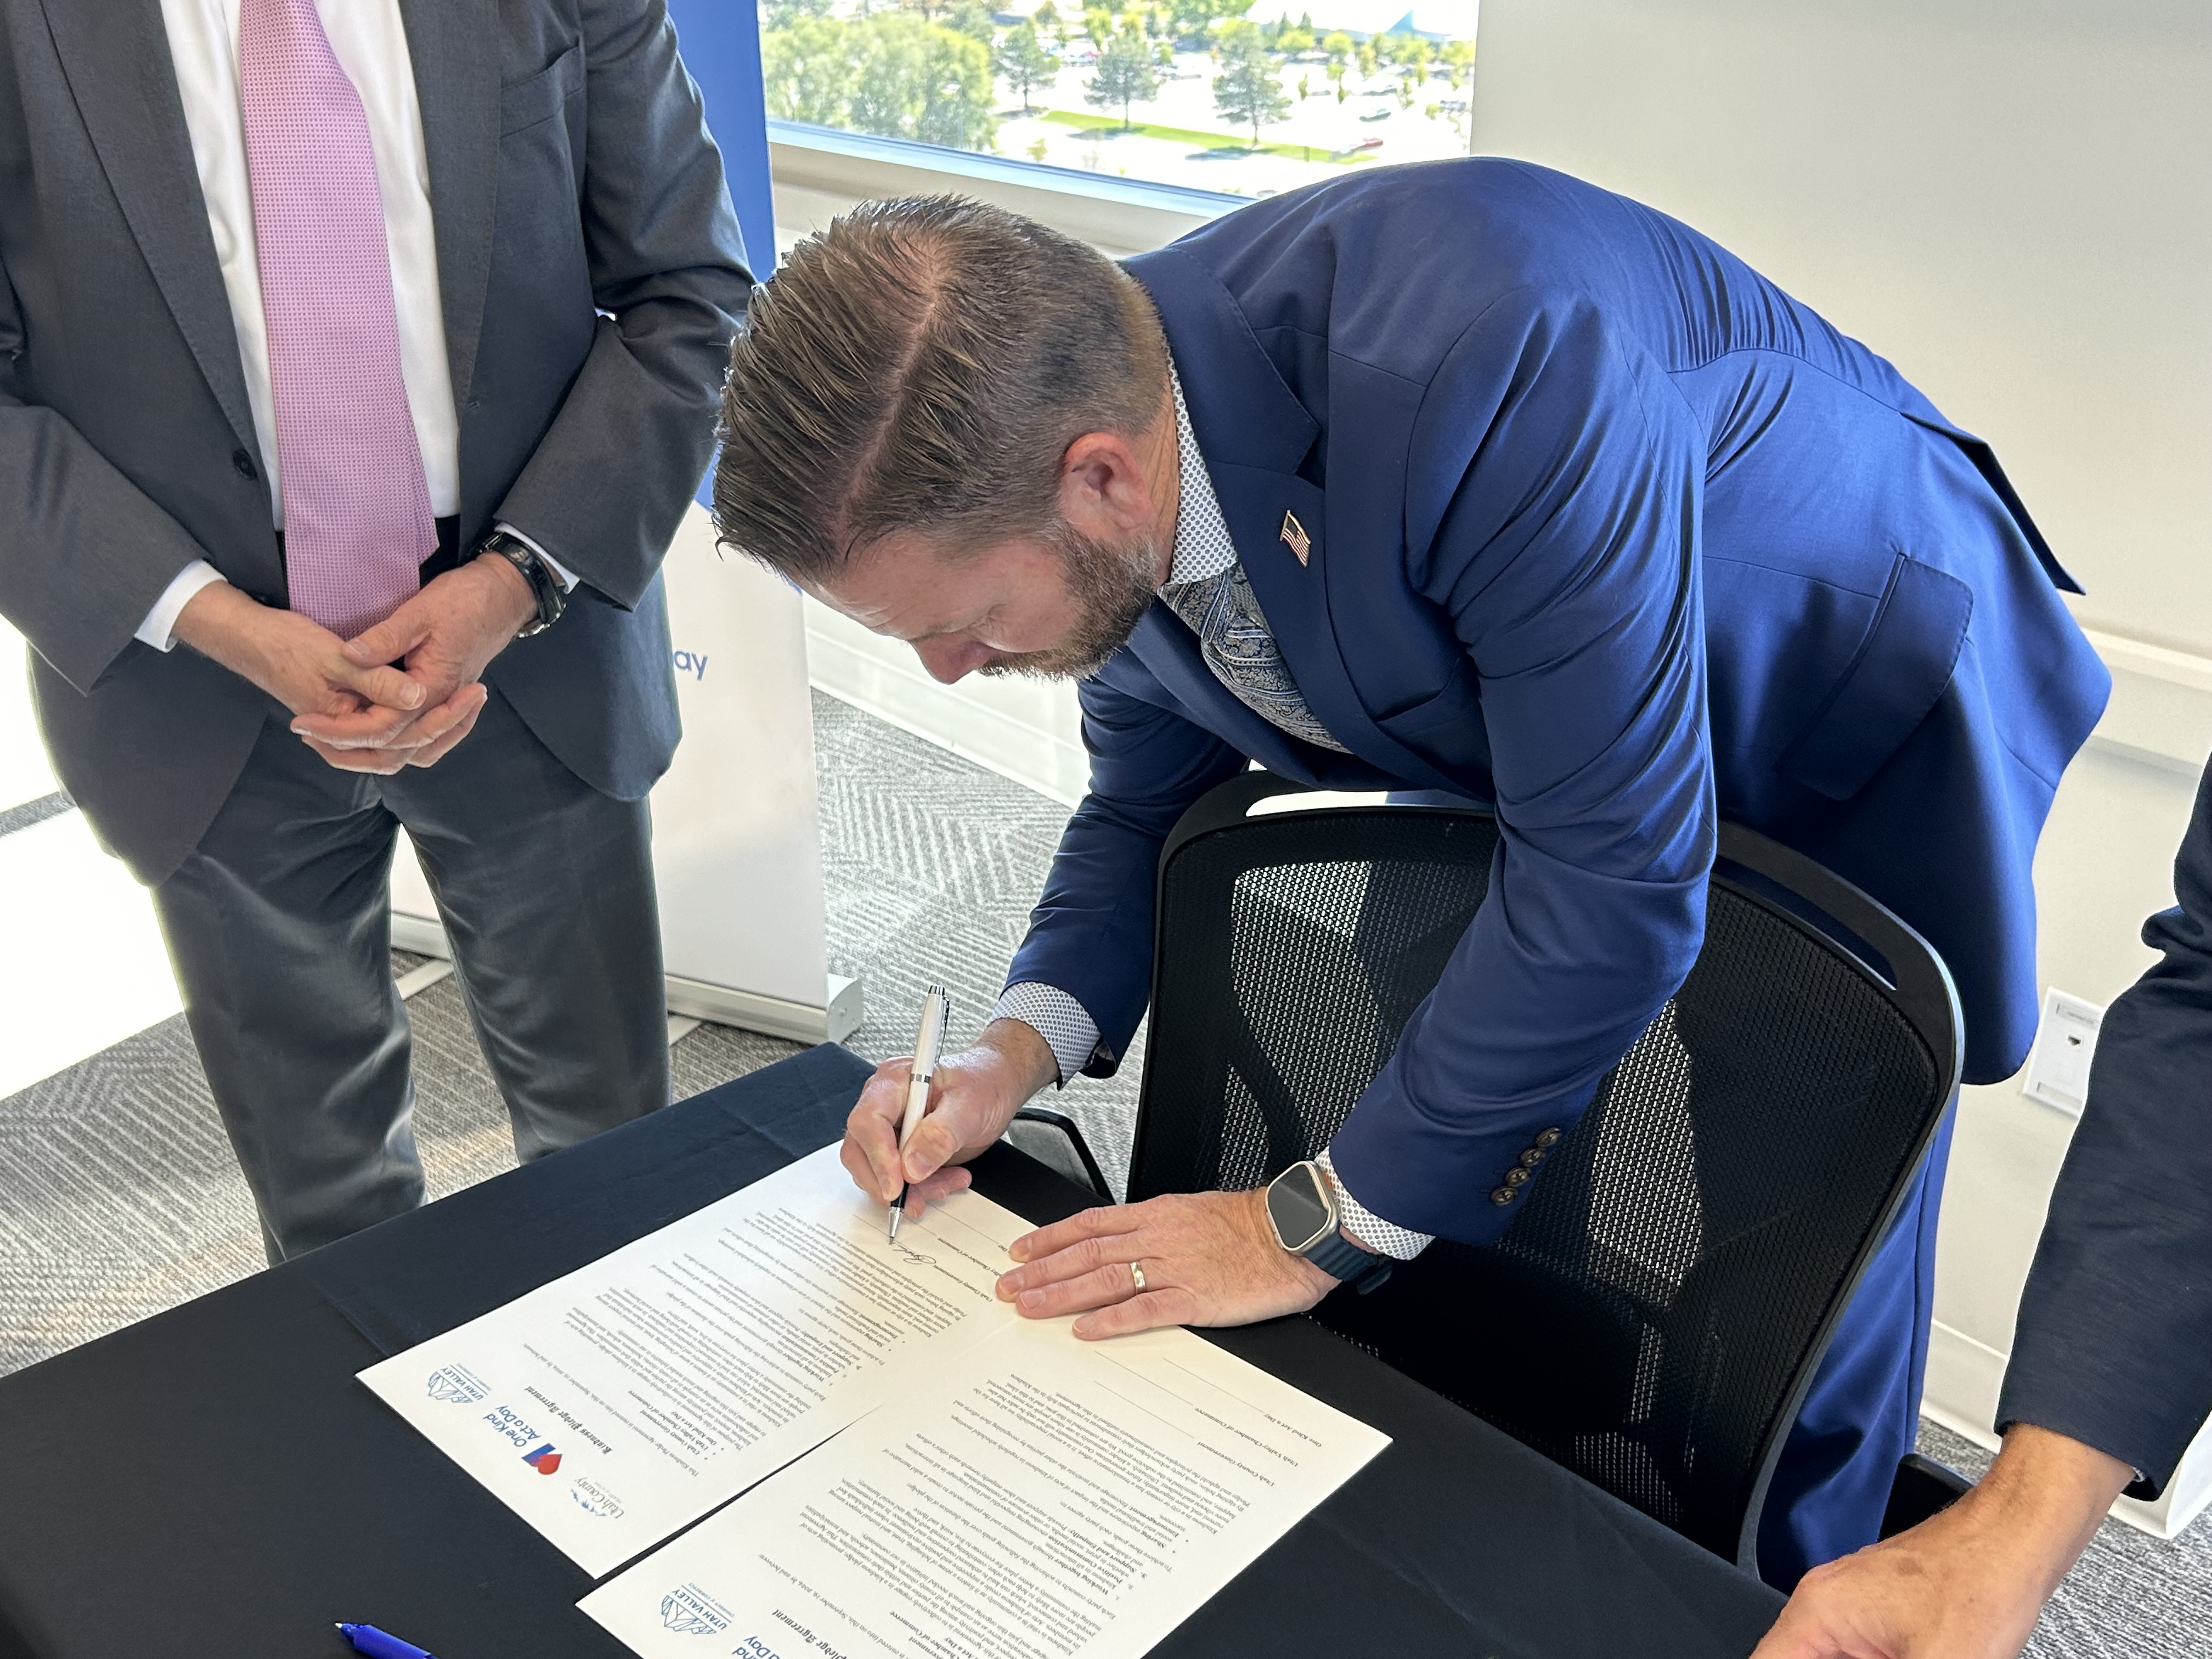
[(1104, 491)]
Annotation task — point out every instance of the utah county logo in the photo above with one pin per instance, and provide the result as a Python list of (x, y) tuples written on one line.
[(455, 1385), (544, 1459), (690, 1611), (595, 1499)]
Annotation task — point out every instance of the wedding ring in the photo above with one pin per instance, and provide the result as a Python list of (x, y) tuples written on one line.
[(1137, 1275)]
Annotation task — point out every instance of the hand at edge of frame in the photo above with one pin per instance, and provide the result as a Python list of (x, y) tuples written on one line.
[(1968, 1583)]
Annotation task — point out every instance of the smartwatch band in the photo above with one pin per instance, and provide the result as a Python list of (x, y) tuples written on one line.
[(1339, 1258), (551, 601)]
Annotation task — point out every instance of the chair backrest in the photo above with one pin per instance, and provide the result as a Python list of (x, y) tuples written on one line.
[(1653, 1316)]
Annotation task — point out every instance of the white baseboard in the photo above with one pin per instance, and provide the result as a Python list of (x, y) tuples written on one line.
[(836, 1019), (771, 1015), (1026, 730), (420, 936), (2186, 1497), (1963, 1376), (2161, 706)]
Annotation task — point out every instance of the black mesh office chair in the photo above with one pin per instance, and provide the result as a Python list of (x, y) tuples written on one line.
[(1653, 1316)]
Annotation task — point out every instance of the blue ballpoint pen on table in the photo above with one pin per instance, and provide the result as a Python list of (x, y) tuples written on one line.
[(377, 1645)]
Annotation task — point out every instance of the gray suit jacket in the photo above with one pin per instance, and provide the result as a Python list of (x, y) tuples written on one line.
[(2114, 1343), (591, 275)]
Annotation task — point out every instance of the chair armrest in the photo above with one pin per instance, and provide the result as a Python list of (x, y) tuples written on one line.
[(1055, 1141)]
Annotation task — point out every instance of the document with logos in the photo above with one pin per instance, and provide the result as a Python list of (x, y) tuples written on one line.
[(1034, 1498), (617, 1404)]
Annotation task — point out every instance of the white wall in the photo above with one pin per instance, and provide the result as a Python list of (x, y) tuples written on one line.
[(2012, 200)]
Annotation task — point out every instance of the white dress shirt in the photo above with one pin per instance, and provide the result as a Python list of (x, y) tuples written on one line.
[(370, 43), (1203, 549)]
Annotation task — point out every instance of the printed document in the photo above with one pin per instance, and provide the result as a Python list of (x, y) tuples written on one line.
[(1034, 1498), (615, 1405)]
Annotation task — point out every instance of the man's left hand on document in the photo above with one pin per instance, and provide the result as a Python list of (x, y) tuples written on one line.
[(1205, 1258)]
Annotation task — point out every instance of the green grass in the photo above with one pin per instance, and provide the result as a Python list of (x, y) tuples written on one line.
[(1068, 117)]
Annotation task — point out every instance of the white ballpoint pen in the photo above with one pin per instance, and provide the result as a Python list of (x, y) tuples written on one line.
[(936, 1009)]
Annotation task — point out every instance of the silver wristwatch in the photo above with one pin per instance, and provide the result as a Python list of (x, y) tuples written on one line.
[(1302, 1209)]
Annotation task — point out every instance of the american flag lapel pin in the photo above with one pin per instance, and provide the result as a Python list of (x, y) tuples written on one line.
[(1295, 537)]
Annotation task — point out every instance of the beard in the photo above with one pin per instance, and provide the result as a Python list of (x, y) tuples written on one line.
[(1112, 586)]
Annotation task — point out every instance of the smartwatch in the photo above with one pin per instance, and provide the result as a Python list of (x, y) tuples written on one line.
[(1302, 1210), (544, 586)]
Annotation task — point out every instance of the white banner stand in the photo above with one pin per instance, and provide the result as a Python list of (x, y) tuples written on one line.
[(737, 844)]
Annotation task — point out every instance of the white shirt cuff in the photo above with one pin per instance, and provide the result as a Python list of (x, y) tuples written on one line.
[(160, 628), (1385, 1237), (1056, 1017), (561, 575)]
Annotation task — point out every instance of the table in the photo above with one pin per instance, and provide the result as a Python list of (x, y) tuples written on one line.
[(213, 1481)]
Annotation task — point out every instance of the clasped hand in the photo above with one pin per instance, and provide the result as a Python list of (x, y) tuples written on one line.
[(403, 693), (1206, 1258)]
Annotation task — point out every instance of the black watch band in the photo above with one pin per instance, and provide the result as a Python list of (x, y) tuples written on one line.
[(1302, 1209), (544, 586), (1339, 1258)]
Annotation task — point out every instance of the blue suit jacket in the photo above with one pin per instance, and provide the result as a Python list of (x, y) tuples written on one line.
[(1609, 531), (2114, 1347)]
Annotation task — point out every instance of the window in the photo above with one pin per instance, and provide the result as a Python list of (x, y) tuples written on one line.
[(1194, 93)]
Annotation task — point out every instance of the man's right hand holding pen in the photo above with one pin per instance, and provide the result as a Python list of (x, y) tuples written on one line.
[(973, 1098), (1179, 1259)]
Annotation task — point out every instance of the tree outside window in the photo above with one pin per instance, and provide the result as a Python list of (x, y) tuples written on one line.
[(1026, 62), (889, 73), (1125, 73), (1249, 90), (963, 73), (1336, 58)]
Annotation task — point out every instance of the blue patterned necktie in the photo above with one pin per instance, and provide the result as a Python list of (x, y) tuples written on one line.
[(1240, 651)]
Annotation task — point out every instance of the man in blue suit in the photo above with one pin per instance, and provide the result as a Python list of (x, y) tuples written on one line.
[(1468, 478)]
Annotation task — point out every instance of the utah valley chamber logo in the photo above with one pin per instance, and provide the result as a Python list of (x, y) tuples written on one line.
[(455, 1385), (690, 1611)]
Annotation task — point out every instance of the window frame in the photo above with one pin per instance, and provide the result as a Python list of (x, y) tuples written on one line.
[(820, 171)]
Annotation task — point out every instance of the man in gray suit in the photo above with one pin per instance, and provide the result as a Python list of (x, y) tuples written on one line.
[(367, 350)]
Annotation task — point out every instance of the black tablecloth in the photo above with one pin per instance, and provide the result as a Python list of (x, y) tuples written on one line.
[(213, 1481)]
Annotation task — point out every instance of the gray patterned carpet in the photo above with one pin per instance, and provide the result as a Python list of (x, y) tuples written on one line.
[(930, 864), (119, 1197)]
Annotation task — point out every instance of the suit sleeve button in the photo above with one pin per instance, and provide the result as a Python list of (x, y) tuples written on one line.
[(1531, 1158), (1515, 1176), (1547, 1139), (243, 464), (1502, 1195)]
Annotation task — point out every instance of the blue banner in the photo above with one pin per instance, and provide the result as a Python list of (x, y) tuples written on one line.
[(720, 42)]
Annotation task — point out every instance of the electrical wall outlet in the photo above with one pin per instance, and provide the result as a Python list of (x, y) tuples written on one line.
[(2065, 1042)]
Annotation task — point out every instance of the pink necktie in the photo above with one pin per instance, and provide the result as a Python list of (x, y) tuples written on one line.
[(357, 521)]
